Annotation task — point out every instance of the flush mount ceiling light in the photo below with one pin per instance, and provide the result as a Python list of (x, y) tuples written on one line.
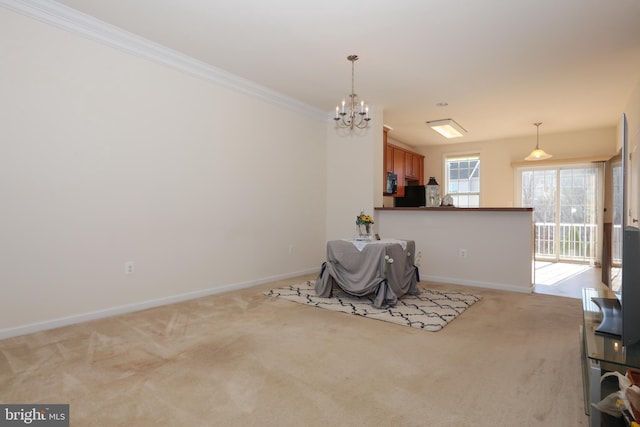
[(537, 154), (356, 113), (447, 128)]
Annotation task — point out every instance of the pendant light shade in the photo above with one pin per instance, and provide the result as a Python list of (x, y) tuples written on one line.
[(537, 154)]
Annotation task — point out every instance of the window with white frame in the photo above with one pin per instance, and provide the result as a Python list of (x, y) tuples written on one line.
[(462, 180)]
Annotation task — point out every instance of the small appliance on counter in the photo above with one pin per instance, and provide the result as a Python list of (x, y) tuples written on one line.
[(414, 197), (392, 183)]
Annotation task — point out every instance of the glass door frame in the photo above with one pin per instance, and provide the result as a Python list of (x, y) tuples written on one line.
[(599, 208)]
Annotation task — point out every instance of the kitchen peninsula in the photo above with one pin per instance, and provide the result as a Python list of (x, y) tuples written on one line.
[(483, 247)]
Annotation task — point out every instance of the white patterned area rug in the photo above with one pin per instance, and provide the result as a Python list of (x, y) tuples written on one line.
[(430, 310)]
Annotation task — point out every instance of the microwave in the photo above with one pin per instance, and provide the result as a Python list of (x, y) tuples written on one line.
[(392, 183)]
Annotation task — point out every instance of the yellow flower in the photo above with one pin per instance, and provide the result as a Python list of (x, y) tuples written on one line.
[(364, 219)]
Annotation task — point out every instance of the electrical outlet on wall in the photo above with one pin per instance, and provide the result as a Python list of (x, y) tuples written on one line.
[(129, 267), (463, 253)]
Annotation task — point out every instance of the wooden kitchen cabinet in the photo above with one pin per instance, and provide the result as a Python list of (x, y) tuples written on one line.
[(407, 165), (398, 169), (414, 166), (418, 167), (389, 158)]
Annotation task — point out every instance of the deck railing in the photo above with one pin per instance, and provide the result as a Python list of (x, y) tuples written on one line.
[(616, 245), (576, 242)]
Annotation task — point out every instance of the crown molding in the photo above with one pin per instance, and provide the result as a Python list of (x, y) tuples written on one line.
[(70, 19)]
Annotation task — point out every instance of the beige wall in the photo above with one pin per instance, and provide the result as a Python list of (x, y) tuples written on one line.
[(106, 157), (497, 173), (632, 112), (354, 178)]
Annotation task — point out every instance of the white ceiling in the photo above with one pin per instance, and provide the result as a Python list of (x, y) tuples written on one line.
[(501, 65)]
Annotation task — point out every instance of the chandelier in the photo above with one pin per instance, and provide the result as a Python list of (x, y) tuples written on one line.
[(537, 154), (355, 113)]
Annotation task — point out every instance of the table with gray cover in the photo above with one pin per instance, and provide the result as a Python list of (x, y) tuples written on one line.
[(361, 268)]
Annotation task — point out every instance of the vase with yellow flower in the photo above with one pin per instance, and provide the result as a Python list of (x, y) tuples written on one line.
[(364, 226)]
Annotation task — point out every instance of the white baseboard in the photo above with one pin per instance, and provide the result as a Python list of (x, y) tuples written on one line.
[(477, 284), (142, 305)]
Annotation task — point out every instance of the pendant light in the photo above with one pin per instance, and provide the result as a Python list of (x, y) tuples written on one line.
[(537, 154)]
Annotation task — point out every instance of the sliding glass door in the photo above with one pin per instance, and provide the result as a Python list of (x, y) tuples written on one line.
[(616, 238), (566, 202)]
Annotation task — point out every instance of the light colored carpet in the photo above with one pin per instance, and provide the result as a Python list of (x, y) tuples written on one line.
[(430, 310), (242, 359)]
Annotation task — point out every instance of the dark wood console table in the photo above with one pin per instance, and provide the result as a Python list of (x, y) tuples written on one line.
[(601, 354)]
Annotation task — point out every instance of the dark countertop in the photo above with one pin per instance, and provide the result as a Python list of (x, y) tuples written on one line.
[(449, 208)]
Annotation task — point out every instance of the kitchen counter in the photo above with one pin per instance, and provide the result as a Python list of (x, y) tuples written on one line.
[(483, 247), (451, 208)]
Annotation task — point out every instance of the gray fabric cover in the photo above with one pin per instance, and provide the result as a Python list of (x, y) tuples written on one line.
[(363, 272)]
